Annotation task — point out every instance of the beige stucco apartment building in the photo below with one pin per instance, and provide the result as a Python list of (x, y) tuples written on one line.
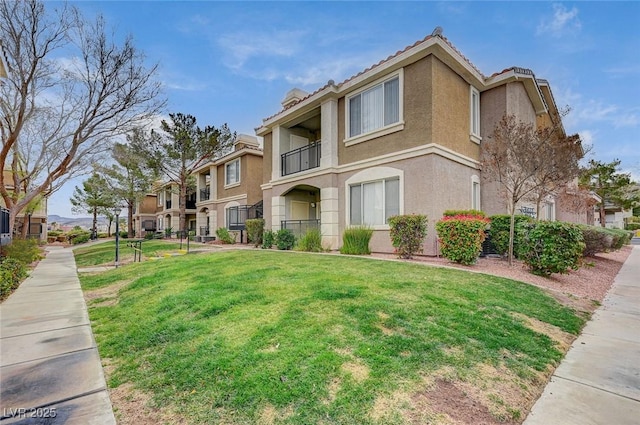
[(401, 137)]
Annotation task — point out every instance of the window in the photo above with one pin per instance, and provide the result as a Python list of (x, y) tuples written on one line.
[(475, 114), (475, 193), (232, 172), (551, 211), (374, 108), (372, 203)]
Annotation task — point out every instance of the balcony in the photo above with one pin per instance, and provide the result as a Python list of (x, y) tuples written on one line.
[(167, 205), (205, 194), (300, 227), (237, 216), (301, 159), (191, 204)]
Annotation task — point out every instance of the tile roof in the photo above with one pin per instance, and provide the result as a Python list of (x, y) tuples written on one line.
[(383, 61)]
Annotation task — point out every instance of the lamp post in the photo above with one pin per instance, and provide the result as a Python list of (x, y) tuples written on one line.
[(117, 212)]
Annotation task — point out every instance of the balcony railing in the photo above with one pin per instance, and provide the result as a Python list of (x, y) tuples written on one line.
[(205, 194), (167, 205), (300, 227), (301, 159), (191, 204), (237, 216)]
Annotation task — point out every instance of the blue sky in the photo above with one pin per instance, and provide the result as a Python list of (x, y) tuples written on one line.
[(233, 62)]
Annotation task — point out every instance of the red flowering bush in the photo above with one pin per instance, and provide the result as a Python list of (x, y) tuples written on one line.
[(461, 237)]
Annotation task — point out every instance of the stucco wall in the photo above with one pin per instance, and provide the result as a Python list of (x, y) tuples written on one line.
[(432, 184), (267, 149), (451, 111), (417, 110), (250, 178)]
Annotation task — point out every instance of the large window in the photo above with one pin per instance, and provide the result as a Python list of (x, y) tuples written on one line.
[(374, 108), (232, 172), (475, 114), (372, 203)]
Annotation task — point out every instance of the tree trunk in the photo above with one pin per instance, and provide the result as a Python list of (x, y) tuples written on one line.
[(94, 228), (512, 226), (109, 228), (130, 231), (603, 216), (25, 227)]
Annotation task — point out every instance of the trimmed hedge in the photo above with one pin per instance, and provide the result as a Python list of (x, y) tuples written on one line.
[(12, 272), (550, 246), (407, 234), (499, 232), (475, 213), (78, 236), (461, 237), (255, 229)]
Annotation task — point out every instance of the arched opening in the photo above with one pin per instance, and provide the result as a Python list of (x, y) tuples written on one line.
[(302, 209)]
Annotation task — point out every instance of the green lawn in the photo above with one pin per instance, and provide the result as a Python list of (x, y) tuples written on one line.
[(237, 337), (104, 253)]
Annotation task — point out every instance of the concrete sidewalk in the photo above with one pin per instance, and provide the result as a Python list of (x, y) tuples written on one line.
[(49, 361), (598, 382)]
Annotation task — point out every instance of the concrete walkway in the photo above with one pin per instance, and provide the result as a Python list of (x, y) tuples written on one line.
[(49, 363), (598, 382)]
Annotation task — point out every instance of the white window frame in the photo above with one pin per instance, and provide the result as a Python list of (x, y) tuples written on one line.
[(226, 180), (385, 129), (475, 193), (371, 175), (474, 115), (550, 211)]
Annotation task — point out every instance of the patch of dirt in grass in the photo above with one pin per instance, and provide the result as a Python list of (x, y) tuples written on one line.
[(385, 407), (270, 415), (562, 339), (132, 406), (347, 352), (106, 296), (460, 407), (332, 389), (358, 371)]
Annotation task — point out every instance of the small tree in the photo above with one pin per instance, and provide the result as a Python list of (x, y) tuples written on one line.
[(94, 198), (606, 180), (129, 178), (528, 163), (181, 147), (57, 117)]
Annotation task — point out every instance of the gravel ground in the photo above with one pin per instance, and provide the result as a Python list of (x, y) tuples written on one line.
[(583, 289)]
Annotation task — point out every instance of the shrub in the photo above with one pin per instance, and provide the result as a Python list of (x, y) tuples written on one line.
[(475, 213), (268, 237), (25, 251), (407, 234), (255, 229), (596, 240), (54, 233), (632, 226), (12, 272), (551, 246), (311, 241), (285, 239), (499, 232), (103, 235), (224, 236), (78, 236), (355, 240), (461, 237)]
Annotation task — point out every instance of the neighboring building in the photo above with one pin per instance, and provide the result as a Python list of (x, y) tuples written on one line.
[(35, 220), (168, 208), (144, 215), (401, 137), (615, 216), (228, 189)]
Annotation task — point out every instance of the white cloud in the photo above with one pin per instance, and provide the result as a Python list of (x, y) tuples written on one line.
[(563, 22), (243, 46), (587, 112)]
